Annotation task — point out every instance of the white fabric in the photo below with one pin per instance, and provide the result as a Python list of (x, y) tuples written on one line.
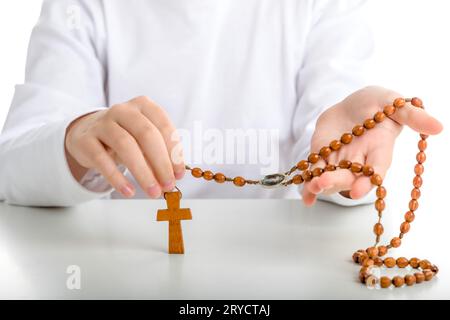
[(254, 64)]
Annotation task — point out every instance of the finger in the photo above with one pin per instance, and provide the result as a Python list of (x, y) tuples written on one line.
[(161, 120), (132, 157), (418, 120), (335, 181), (104, 164), (152, 145), (309, 198)]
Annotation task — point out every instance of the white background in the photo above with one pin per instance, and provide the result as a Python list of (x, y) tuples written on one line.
[(412, 56)]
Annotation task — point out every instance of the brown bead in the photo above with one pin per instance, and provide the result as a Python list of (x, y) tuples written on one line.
[(413, 205), (378, 229), (239, 181), (368, 262), (420, 277), (303, 165), (410, 280), (385, 282), (313, 158), (376, 180), (307, 175), (424, 264), (356, 256), (372, 252), (330, 167), (398, 281), (417, 181), (422, 145), (358, 130), (435, 269), (399, 103), (297, 179), (345, 164), (363, 257), (414, 262), (325, 152), (424, 136), (220, 178), (389, 262), (369, 124), (421, 157), (197, 172), (208, 175), (419, 169), (428, 274), (362, 277), (356, 167), (380, 205), (389, 110), (410, 216), (368, 171), (379, 117), (382, 250), (416, 102), (317, 172), (381, 192), (402, 262), (378, 261), (396, 242), (415, 194), (346, 138), (405, 227), (335, 145)]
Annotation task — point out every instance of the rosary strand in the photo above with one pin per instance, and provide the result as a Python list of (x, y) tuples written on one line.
[(372, 256)]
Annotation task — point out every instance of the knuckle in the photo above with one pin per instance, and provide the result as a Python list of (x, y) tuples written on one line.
[(123, 142), (146, 132)]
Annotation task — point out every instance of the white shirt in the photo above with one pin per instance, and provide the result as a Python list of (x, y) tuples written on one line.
[(263, 65)]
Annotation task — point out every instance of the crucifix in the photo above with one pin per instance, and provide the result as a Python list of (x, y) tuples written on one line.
[(174, 215)]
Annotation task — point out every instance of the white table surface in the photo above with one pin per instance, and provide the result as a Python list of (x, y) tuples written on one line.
[(235, 249)]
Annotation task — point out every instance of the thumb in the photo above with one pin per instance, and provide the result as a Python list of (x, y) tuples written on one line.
[(418, 120)]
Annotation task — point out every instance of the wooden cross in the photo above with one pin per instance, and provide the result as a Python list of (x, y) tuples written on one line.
[(174, 215)]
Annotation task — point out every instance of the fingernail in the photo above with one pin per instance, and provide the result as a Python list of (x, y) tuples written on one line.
[(154, 191), (127, 190), (169, 185), (179, 174)]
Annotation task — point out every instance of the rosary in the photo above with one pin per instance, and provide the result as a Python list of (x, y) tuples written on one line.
[(371, 257)]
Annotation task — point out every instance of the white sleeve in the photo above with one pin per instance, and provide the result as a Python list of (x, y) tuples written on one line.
[(65, 78), (337, 50)]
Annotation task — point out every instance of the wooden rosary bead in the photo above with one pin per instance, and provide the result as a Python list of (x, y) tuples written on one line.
[(197, 172), (389, 110), (416, 102), (368, 171), (410, 280), (330, 167), (220, 178), (420, 277), (421, 157), (317, 172), (335, 145), (415, 194), (381, 192), (417, 181), (382, 250), (435, 269), (376, 180), (239, 181), (378, 229), (307, 175), (313, 158), (380, 205), (385, 282), (413, 205), (369, 124), (303, 165), (402, 262), (419, 169), (398, 281), (325, 152), (358, 130), (424, 264), (396, 242), (208, 175), (378, 261), (414, 262), (297, 179), (379, 117), (422, 145), (345, 164), (399, 103), (372, 252), (346, 138), (405, 227), (368, 262), (356, 256), (428, 274), (356, 167), (389, 262), (410, 216)]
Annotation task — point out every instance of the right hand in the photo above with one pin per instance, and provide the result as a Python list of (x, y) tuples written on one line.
[(137, 134)]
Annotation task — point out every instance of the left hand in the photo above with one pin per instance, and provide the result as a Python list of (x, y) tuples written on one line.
[(374, 147)]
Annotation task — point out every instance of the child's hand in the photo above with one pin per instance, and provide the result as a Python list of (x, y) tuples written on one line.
[(137, 134), (375, 147)]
